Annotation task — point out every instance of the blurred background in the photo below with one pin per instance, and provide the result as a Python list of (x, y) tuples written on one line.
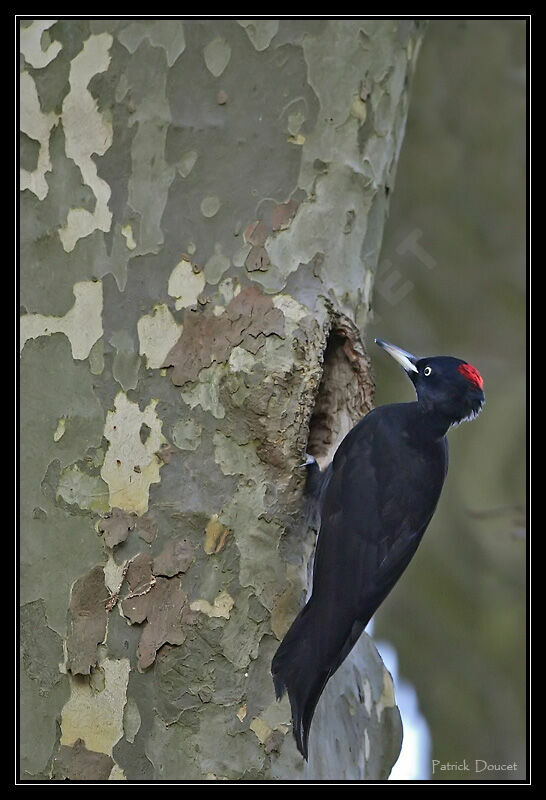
[(452, 280)]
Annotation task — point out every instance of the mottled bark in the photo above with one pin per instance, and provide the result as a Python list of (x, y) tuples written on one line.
[(202, 212)]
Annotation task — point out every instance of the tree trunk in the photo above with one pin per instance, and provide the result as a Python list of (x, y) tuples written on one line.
[(202, 210)]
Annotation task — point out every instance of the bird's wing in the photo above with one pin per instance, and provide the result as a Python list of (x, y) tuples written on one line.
[(374, 512)]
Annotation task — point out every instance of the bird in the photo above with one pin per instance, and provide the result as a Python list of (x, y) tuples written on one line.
[(375, 501)]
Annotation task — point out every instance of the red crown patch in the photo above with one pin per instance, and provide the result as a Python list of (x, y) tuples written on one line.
[(471, 374)]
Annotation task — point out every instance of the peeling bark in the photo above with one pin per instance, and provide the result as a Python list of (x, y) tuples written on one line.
[(209, 339), (76, 763), (202, 211), (87, 621)]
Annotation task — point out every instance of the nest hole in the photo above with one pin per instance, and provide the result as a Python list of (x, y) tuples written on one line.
[(345, 392)]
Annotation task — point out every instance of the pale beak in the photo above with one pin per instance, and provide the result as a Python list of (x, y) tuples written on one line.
[(405, 359)]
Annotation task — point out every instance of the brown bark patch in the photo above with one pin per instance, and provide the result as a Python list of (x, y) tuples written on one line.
[(257, 260), (176, 557), (206, 339), (146, 527), (283, 215), (115, 527), (87, 621), (77, 763), (158, 602), (140, 577), (256, 233)]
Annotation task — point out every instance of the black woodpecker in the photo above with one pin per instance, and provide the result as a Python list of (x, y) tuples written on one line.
[(376, 500)]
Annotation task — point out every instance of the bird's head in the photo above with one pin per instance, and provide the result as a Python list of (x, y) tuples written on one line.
[(445, 385)]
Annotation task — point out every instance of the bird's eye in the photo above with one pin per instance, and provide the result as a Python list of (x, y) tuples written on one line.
[(427, 371)]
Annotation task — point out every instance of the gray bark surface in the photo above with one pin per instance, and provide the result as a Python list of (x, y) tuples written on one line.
[(202, 209)]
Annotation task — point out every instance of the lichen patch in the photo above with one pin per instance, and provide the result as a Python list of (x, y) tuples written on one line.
[(87, 133), (158, 332), (30, 43), (129, 490), (38, 127), (185, 284), (217, 54), (387, 695), (61, 426), (82, 325), (97, 717), (260, 31), (215, 536), (221, 607)]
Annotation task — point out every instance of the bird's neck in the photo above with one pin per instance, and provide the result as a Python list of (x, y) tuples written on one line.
[(430, 423)]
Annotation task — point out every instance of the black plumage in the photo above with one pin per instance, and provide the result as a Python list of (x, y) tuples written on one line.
[(376, 501)]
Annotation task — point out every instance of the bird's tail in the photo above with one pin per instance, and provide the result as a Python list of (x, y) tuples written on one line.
[(307, 657), (296, 669)]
